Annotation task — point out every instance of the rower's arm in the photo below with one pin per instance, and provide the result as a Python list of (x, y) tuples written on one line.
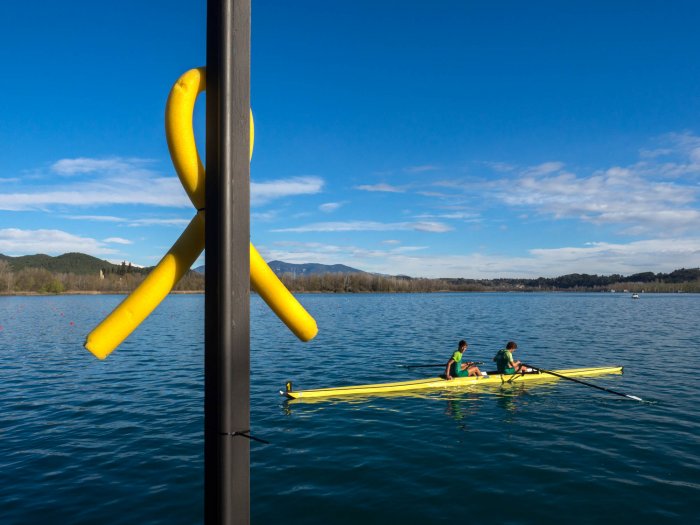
[(447, 368)]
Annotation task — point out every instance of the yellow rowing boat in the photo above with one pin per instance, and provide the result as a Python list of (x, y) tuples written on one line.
[(435, 383)]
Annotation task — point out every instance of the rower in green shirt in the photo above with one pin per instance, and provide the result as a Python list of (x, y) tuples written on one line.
[(455, 367), (504, 360)]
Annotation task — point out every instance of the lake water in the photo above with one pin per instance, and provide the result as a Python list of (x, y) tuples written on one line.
[(120, 441)]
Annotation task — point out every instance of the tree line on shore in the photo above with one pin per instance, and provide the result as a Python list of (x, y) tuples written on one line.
[(125, 279), (683, 280), (121, 280)]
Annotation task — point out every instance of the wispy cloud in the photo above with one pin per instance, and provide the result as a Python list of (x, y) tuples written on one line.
[(96, 218), (263, 192), (654, 153), (406, 249), (113, 181), (329, 207), (501, 167), (117, 240), (600, 258), (159, 222), (424, 226), (264, 216), (87, 165), (435, 194), (543, 169), (131, 222), (616, 196), (14, 241), (421, 169), (381, 187), (659, 193), (120, 181), (457, 215)]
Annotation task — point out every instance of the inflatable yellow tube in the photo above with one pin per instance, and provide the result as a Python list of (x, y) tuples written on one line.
[(141, 302), (138, 305), (279, 299)]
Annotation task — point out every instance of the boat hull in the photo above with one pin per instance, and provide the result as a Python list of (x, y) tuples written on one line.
[(439, 383)]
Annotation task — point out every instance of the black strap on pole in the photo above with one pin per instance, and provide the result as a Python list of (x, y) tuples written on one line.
[(227, 285)]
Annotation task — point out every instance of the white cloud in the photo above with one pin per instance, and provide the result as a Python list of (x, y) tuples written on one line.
[(654, 153), (658, 255), (117, 240), (457, 215), (616, 196), (97, 218), (543, 169), (501, 167), (421, 169), (404, 249), (131, 222), (381, 188), (88, 165), (145, 189), (14, 241), (159, 222), (329, 206), (262, 192), (425, 226), (119, 181), (433, 194), (264, 216), (695, 155)]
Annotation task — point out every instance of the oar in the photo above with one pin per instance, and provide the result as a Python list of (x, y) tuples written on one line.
[(583, 382), (473, 363)]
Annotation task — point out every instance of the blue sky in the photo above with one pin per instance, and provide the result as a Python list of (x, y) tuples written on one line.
[(440, 139)]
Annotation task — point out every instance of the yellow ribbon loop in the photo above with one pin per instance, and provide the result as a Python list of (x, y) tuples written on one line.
[(131, 312)]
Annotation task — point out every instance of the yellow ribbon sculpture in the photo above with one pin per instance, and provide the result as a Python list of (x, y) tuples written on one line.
[(141, 302)]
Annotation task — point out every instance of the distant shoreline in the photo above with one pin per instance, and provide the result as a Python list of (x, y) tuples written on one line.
[(89, 292), (364, 292), (80, 274)]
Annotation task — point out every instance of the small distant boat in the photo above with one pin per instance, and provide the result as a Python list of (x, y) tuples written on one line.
[(635, 296)]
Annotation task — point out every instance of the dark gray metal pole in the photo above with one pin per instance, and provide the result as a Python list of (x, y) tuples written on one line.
[(227, 288)]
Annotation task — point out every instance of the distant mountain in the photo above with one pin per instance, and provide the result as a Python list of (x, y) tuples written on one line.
[(281, 268), (77, 263)]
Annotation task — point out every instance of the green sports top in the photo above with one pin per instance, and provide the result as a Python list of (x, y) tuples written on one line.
[(457, 356)]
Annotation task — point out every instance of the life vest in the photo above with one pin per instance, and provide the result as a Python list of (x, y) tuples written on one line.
[(502, 358)]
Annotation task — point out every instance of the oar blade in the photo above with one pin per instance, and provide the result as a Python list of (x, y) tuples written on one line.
[(622, 394)]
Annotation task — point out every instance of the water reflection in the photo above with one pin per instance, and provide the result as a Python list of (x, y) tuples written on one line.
[(463, 409), (461, 401)]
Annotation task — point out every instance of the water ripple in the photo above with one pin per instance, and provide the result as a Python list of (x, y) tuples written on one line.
[(120, 441)]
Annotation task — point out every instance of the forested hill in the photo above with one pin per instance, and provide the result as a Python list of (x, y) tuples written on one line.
[(79, 272), (75, 263)]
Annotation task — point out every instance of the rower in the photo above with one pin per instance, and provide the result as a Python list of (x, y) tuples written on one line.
[(455, 367), (504, 360)]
